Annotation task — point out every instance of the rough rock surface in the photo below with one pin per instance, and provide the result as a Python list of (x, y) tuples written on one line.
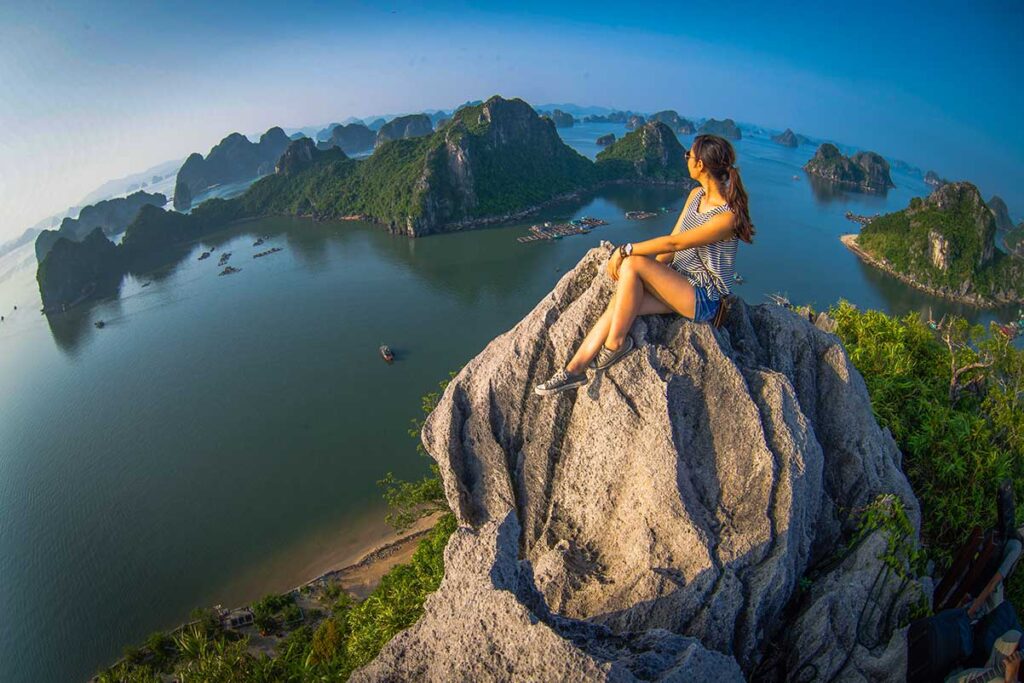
[(654, 524), (851, 631)]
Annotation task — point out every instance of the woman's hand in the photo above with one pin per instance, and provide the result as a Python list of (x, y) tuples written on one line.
[(613, 264), (1012, 666)]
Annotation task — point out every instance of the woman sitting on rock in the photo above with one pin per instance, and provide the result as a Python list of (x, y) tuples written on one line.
[(687, 272)]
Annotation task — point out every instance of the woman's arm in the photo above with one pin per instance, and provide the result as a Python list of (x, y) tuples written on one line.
[(668, 256), (718, 228)]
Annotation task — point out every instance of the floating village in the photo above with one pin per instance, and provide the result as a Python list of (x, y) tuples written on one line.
[(556, 231)]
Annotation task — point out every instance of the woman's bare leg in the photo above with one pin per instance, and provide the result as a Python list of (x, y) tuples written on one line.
[(641, 277), (592, 343)]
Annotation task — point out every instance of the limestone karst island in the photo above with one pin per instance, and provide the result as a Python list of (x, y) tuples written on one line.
[(442, 343)]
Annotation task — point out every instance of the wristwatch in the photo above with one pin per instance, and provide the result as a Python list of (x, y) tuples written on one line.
[(626, 249)]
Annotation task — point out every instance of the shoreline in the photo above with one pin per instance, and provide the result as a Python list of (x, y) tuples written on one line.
[(358, 578), (849, 240)]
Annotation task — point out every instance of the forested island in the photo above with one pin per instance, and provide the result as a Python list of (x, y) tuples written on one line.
[(492, 162), (864, 171), (945, 245), (726, 129)]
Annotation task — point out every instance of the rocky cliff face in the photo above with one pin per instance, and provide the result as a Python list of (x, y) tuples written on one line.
[(876, 169), (654, 524), (865, 171), (726, 129), (1001, 213), (786, 139), (112, 215), (975, 231), (412, 126), (233, 159), (605, 140)]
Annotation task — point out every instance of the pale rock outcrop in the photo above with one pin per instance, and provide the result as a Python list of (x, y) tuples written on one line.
[(654, 524)]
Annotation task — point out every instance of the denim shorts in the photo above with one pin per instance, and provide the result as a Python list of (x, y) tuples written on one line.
[(704, 308)]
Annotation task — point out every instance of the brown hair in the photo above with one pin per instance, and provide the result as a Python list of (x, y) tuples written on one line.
[(718, 157)]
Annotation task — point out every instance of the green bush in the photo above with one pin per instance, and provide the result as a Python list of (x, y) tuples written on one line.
[(956, 452)]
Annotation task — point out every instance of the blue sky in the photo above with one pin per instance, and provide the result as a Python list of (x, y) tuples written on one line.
[(98, 90)]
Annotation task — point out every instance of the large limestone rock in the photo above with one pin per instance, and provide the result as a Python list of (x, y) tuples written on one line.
[(654, 524)]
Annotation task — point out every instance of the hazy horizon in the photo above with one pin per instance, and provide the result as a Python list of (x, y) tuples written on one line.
[(103, 90)]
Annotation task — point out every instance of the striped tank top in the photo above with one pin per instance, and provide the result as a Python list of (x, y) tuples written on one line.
[(710, 266)]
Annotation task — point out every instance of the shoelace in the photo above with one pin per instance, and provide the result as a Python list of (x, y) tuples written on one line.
[(558, 378)]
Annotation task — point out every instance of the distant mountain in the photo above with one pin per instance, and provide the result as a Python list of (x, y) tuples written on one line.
[(112, 216), (233, 159), (296, 136), (945, 244), (1001, 213), (404, 127), (376, 124), (864, 171), (324, 133), (786, 139), (352, 138), (612, 117), (120, 186), (905, 167), (490, 163), (674, 121), (23, 239), (562, 119), (726, 129), (576, 110), (605, 140)]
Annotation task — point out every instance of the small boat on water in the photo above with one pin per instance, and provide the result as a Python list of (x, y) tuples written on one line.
[(100, 324), (386, 353), (738, 279)]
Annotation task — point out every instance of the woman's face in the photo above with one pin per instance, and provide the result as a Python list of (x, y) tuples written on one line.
[(693, 164)]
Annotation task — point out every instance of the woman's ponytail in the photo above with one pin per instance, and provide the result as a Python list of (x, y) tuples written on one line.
[(736, 196)]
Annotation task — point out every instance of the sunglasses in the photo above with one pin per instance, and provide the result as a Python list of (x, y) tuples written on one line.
[(689, 155)]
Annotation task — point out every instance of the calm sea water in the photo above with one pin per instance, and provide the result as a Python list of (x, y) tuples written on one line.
[(222, 433)]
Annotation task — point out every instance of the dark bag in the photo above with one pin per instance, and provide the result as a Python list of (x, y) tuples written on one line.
[(936, 644)]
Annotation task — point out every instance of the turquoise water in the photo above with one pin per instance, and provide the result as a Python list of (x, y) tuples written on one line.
[(221, 424)]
